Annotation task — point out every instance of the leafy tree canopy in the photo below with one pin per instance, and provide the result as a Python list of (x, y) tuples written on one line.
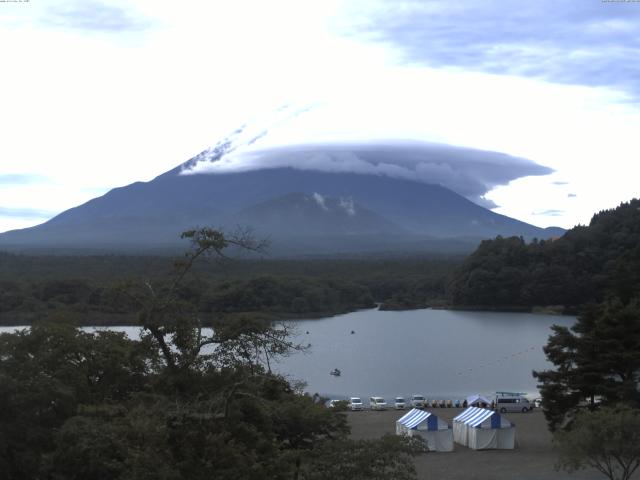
[(585, 265), (607, 440)]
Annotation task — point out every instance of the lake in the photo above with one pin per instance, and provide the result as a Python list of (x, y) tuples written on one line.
[(437, 353)]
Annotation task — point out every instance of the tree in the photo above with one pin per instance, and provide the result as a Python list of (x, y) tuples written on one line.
[(607, 440), (221, 392), (98, 405), (597, 361), (47, 374), (169, 321)]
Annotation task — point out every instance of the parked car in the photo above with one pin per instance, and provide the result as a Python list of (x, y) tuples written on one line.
[(506, 404), (377, 403), (399, 403), (417, 401), (355, 403)]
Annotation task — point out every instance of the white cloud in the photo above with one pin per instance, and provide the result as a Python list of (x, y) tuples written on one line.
[(348, 206), (471, 173), (320, 201)]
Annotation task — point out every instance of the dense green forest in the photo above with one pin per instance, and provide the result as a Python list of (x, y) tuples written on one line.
[(583, 266), (93, 288), (176, 404)]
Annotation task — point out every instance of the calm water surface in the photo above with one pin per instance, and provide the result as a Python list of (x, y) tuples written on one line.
[(437, 353)]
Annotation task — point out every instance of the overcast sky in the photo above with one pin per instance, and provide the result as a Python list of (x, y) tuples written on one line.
[(532, 108)]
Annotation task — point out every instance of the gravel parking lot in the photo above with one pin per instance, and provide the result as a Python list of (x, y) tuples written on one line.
[(533, 459)]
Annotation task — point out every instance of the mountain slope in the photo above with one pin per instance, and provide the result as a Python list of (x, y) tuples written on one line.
[(314, 215)]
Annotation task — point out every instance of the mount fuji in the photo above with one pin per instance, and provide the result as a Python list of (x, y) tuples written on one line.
[(289, 196)]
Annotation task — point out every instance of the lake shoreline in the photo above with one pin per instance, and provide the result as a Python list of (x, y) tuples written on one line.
[(124, 320)]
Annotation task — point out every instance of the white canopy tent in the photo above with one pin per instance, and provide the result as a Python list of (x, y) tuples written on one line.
[(476, 400), (435, 431), (481, 429)]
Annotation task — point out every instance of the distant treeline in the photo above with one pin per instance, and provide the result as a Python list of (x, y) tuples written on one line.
[(584, 266), (94, 288)]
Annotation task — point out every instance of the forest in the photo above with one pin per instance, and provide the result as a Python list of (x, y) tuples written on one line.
[(583, 266), (92, 289)]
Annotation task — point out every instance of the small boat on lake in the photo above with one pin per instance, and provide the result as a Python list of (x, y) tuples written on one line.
[(335, 372)]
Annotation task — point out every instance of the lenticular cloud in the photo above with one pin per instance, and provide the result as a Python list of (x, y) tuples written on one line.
[(469, 172)]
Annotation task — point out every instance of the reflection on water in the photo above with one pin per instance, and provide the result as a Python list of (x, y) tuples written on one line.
[(437, 353)]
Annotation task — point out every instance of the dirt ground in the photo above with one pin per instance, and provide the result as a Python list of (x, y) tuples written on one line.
[(533, 458)]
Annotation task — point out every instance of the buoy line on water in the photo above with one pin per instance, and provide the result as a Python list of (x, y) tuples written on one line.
[(498, 361)]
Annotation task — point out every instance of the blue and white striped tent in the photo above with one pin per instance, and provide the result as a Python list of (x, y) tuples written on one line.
[(481, 428), (435, 431)]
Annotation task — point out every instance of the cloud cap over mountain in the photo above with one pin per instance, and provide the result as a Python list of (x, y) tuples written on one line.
[(469, 172)]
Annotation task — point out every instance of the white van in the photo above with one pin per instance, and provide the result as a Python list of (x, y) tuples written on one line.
[(355, 404), (399, 403), (513, 404), (418, 401), (377, 403)]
